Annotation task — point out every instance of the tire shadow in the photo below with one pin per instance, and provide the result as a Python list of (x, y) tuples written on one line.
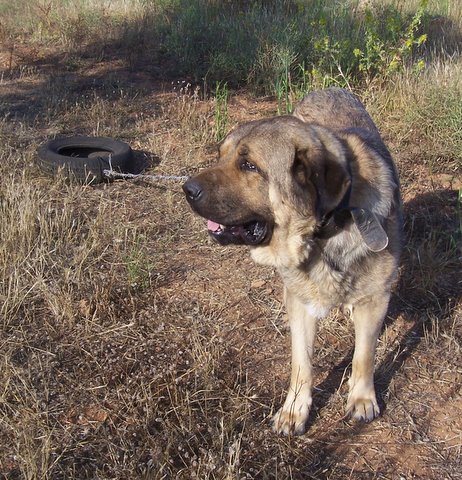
[(142, 161)]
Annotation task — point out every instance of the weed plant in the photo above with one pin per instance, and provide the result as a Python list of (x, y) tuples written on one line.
[(221, 111)]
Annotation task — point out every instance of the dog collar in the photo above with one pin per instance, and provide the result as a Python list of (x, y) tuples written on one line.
[(367, 222), (335, 221)]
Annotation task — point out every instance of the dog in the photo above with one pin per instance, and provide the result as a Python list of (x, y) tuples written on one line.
[(315, 195)]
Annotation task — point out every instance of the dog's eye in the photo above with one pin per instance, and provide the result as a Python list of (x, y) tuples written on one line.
[(248, 167)]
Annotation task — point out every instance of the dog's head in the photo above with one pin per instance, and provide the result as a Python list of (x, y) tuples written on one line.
[(272, 175)]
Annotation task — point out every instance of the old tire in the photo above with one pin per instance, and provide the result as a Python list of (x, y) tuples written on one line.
[(84, 158)]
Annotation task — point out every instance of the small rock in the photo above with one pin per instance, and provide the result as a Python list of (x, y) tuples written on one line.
[(257, 284)]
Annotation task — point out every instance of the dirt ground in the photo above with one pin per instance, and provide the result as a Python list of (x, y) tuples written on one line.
[(169, 355)]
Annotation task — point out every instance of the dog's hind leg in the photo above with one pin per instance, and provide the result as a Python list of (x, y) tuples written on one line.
[(292, 417), (368, 317)]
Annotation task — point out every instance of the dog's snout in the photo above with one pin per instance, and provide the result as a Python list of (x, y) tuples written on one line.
[(193, 189)]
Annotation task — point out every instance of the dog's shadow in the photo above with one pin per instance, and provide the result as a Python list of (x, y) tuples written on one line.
[(430, 284)]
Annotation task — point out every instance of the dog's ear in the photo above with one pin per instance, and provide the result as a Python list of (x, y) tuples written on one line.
[(301, 171), (303, 189), (323, 172), (333, 182)]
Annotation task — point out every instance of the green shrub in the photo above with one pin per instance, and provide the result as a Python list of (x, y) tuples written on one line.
[(389, 43)]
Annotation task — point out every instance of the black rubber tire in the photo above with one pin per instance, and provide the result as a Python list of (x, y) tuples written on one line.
[(84, 158)]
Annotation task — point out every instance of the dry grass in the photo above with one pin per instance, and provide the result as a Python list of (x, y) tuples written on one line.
[(132, 347)]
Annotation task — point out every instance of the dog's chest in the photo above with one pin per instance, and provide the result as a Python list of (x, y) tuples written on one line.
[(319, 287)]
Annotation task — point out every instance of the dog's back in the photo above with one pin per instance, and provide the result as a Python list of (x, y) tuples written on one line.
[(335, 108)]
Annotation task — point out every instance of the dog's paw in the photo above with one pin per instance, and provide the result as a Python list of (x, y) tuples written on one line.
[(291, 418), (362, 408)]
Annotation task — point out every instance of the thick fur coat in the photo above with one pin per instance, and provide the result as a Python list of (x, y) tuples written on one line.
[(315, 195)]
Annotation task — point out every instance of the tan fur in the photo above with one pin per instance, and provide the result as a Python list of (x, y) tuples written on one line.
[(306, 167)]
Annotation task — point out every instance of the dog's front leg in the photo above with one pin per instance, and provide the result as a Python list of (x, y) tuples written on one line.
[(368, 317), (292, 417)]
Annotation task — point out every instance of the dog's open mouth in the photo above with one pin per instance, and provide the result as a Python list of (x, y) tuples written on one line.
[(251, 233)]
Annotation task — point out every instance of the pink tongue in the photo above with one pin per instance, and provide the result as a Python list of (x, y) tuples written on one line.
[(212, 226)]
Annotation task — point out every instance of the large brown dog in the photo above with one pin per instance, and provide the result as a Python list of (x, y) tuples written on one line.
[(315, 195)]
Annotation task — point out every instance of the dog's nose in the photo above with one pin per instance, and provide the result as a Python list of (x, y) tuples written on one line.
[(192, 189)]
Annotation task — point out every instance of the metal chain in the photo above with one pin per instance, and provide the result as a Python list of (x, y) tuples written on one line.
[(155, 178)]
